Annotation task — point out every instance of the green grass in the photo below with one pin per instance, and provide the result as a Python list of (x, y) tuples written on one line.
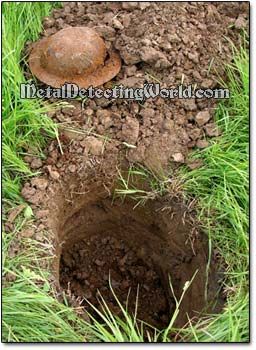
[(112, 328), (22, 120), (221, 187), (31, 315), (140, 184), (31, 312)]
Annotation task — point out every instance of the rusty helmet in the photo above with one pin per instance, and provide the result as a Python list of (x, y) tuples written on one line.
[(74, 55)]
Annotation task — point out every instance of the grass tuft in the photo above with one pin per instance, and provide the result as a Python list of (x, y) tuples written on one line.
[(22, 120), (221, 187)]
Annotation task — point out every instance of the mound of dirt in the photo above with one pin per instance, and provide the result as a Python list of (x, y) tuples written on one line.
[(166, 42)]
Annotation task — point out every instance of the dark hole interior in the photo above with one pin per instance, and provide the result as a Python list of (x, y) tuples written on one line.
[(136, 250)]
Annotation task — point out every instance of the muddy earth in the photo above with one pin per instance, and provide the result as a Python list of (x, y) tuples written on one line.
[(96, 238)]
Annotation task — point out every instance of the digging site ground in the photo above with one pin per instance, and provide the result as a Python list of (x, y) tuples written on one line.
[(96, 238)]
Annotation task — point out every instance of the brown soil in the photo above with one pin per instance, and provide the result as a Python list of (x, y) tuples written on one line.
[(96, 237), (171, 42), (72, 197), (89, 265), (137, 248)]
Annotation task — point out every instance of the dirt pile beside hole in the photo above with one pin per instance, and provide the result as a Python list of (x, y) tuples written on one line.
[(166, 42)]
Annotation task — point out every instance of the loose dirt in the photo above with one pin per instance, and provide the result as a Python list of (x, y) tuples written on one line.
[(96, 237), (171, 43), (134, 249), (137, 249)]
